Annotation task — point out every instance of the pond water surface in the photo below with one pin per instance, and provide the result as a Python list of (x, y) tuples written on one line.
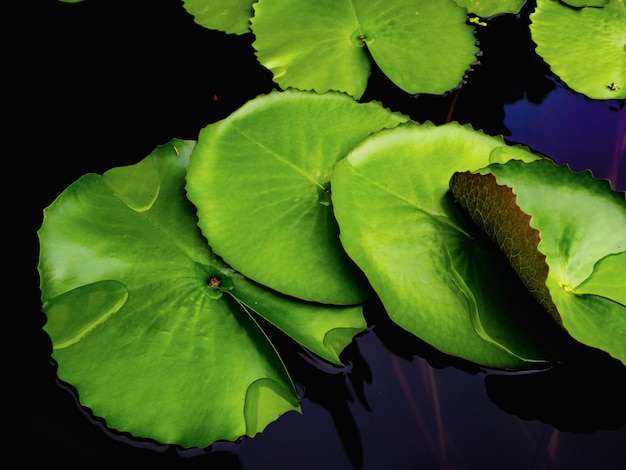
[(109, 82)]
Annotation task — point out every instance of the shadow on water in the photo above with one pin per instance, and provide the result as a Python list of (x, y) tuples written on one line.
[(583, 395), (582, 392), (330, 387)]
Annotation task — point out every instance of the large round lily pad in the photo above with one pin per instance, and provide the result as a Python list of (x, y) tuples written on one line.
[(421, 45), (260, 180), (435, 277), (155, 332)]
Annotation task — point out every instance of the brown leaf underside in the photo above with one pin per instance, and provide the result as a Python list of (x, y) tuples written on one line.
[(494, 209)]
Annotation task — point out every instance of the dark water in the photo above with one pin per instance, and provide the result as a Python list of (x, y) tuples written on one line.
[(101, 84)]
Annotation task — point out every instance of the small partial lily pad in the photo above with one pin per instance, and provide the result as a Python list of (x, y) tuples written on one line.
[(230, 16), (487, 8), (586, 48)]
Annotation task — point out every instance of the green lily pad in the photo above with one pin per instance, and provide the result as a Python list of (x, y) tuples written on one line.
[(585, 3), (152, 329), (586, 48), (261, 182), (487, 8), (494, 209), (435, 278), (583, 238), (230, 16), (327, 45)]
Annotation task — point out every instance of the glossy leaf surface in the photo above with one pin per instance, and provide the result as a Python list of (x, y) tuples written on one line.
[(153, 330), (230, 16), (327, 45), (434, 277), (586, 47), (493, 207), (486, 8), (586, 3), (583, 237), (261, 182)]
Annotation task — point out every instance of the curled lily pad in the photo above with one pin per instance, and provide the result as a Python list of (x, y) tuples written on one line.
[(327, 45), (435, 278), (494, 208), (586, 48), (230, 16), (260, 180), (152, 329), (582, 225)]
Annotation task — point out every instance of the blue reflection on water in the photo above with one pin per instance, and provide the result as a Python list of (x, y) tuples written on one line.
[(570, 128)]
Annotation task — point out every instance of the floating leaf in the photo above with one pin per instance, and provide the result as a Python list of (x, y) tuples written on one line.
[(261, 182), (434, 277), (487, 8), (585, 3), (326, 45), (152, 329), (494, 209), (586, 48), (582, 224), (230, 16)]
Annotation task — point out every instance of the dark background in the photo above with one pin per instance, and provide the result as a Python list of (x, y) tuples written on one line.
[(100, 84)]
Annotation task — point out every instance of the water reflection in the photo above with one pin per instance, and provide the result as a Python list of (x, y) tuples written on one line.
[(331, 388), (584, 393), (572, 129), (399, 403)]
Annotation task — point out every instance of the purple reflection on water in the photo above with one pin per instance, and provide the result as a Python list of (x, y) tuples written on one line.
[(570, 128)]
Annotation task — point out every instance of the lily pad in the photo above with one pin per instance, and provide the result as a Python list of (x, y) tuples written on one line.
[(153, 330), (487, 8), (585, 3), (435, 277), (494, 208), (586, 48), (230, 16), (260, 180), (329, 45), (583, 238)]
